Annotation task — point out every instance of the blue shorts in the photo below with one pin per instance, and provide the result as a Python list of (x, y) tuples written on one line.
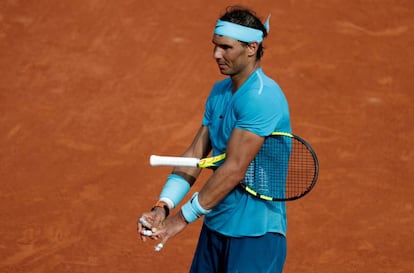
[(216, 253)]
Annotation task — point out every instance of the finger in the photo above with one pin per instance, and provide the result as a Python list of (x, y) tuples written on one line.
[(159, 247), (142, 229), (144, 222), (158, 231), (141, 235), (139, 227), (146, 232)]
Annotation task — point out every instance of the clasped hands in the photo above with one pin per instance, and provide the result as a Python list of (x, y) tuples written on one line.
[(155, 226)]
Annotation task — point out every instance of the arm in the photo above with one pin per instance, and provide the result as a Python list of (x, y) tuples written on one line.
[(241, 150), (200, 147)]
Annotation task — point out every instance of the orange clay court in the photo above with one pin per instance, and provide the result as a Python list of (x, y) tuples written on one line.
[(90, 89)]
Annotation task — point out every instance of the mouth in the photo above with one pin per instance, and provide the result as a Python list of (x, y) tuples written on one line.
[(222, 65)]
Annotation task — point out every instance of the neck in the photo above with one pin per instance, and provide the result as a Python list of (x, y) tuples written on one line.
[(239, 78)]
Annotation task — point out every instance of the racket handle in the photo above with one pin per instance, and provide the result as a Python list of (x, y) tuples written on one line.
[(174, 161)]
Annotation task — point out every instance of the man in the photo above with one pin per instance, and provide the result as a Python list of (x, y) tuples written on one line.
[(240, 233)]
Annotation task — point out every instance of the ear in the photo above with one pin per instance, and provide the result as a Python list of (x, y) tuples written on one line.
[(252, 48)]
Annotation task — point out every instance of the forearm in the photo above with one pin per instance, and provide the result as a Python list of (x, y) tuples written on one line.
[(220, 184), (199, 148), (215, 189), (182, 178), (242, 148)]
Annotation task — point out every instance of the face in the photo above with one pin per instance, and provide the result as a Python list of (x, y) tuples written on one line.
[(231, 55)]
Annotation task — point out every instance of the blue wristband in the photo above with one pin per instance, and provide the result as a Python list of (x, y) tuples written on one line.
[(192, 210), (174, 190)]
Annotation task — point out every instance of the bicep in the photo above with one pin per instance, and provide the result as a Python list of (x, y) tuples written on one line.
[(241, 149)]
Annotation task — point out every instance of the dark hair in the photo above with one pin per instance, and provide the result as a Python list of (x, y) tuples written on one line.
[(245, 17)]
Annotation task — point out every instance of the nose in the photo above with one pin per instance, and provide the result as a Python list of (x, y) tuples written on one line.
[(217, 54)]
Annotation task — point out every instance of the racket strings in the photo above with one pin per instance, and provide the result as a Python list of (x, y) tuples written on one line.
[(301, 170), (283, 169)]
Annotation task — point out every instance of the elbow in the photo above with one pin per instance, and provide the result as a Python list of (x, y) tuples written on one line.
[(234, 172)]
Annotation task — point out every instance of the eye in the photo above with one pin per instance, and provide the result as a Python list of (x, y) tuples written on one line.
[(223, 47)]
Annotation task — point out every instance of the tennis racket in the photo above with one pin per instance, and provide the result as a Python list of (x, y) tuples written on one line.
[(285, 168)]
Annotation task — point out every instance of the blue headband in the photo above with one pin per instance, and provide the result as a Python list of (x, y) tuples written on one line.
[(239, 32)]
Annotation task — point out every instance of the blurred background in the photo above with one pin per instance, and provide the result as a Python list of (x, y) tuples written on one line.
[(89, 89)]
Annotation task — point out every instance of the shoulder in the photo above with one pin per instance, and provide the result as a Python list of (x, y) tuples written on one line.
[(261, 89), (259, 84)]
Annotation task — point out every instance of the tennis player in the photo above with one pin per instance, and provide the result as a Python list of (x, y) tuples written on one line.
[(240, 233)]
